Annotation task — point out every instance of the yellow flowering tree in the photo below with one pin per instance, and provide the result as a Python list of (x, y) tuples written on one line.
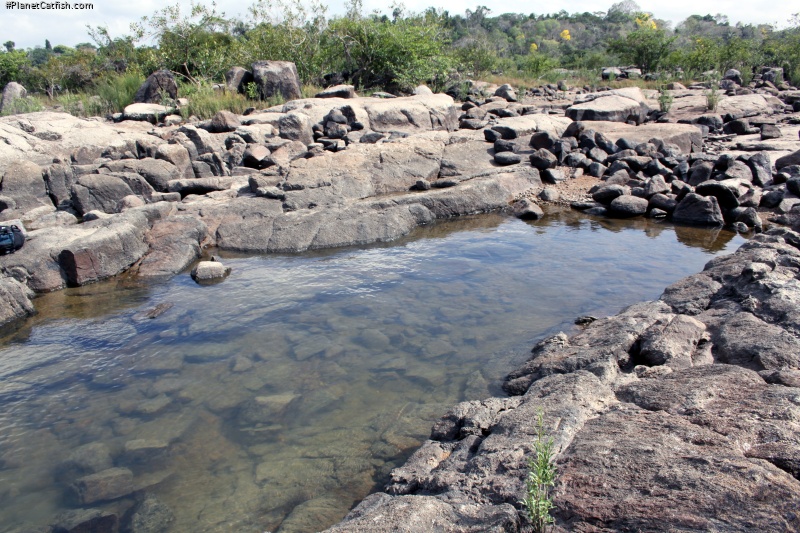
[(646, 47), (565, 35)]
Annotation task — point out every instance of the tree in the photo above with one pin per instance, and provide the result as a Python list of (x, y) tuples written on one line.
[(12, 66), (9, 45), (647, 47)]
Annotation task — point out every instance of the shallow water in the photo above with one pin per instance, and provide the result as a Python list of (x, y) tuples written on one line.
[(278, 398)]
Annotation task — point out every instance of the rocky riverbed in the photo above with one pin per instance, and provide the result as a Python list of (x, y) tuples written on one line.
[(678, 413)]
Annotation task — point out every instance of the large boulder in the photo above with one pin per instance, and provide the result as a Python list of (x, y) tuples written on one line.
[(698, 211), (237, 78), (12, 91), (277, 78), (158, 87), (788, 160), (621, 105), (24, 182), (145, 112), (15, 300), (412, 114), (338, 91)]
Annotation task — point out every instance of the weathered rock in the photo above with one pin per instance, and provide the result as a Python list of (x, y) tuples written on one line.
[(698, 210), (277, 78), (150, 515), (620, 105), (672, 342), (507, 158), (224, 121), (108, 484), (543, 159), (12, 91), (788, 160), (85, 520), (157, 172), (506, 91), (174, 243), (15, 300), (209, 271), (627, 206), (527, 210), (607, 193), (158, 86), (237, 78), (152, 113), (338, 91), (24, 182)]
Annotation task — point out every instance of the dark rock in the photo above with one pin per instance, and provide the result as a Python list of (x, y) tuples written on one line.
[(596, 170), (277, 78), (606, 194), (543, 159), (787, 160), (698, 210), (627, 206), (770, 131), (700, 172), (527, 210), (662, 202), (237, 78), (760, 166), (553, 175), (543, 139), (726, 195), (160, 85), (509, 158), (502, 145)]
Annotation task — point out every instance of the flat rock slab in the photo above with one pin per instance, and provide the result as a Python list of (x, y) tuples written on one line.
[(686, 136)]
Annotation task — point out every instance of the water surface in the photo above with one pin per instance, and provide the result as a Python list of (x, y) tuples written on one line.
[(277, 399)]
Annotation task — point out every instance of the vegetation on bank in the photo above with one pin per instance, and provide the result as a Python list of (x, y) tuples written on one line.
[(394, 52)]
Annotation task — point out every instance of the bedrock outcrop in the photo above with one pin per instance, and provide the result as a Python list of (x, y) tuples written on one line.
[(679, 414)]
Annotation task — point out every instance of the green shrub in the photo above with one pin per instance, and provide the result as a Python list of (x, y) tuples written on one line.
[(541, 479), (665, 99), (118, 90)]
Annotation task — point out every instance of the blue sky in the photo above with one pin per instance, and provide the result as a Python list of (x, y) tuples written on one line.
[(28, 28)]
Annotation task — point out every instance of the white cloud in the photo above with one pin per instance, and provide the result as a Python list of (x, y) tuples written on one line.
[(31, 28)]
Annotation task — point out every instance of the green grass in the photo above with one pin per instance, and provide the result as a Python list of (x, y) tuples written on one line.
[(205, 102), (23, 105)]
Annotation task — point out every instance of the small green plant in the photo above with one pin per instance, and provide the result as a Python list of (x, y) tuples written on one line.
[(541, 479), (712, 93), (665, 99), (251, 91)]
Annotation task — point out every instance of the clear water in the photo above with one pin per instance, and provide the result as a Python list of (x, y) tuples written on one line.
[(277, 399)]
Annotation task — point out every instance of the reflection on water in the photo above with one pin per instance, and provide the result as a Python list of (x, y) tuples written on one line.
[(280, 397)]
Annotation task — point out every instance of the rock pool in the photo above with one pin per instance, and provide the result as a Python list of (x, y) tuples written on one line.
[(275, 400)]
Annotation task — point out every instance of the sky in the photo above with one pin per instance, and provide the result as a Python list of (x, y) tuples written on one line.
[(30, 27)]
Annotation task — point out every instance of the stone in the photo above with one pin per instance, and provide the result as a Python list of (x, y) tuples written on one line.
[(543, 159), (150, 515), (108, 484), (296, 127), (158, 86), (210, 271), (237, 79), (24, 182), (770, 131), (84, 520), (627, 206), (15, 300), (507, 158), (607, 193), (224, 121), (506, 91), (152, 113), (277, 78), (99, 192), (525, 209), (12, 91), (338, 91), (553, 176), (788, 160), (620, 105), (672, 342), (726, 193), (695, 209)]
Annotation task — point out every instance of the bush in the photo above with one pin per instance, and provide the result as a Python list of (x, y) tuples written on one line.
[(118, 90), (541, 479), (23, 105)]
